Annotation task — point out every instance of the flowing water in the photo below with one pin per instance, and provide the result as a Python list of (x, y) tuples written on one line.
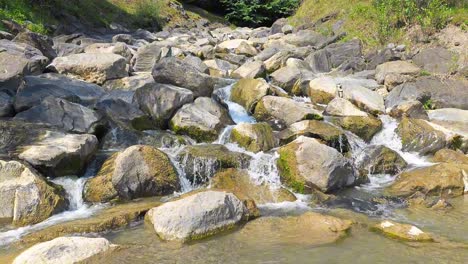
[(362, 246)]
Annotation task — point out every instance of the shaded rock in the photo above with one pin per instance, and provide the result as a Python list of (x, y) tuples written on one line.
[(437, 60), (364, 127), (65, 115), (6, 105), (411, 109), (250, 70), (65, 250), (380, 160), (25, 196), (253, 137), (239, 183), (125, 38), (161, 101), (202, 120), (342, 107), (124, 114), (450, 93), (91, 67), (131, 83), (40, 42), (281, 111), (146, 57), (309, 229), (176, 72), (402, 232), (247, 92), (450, 156), (65, 49), (418, 135), (37, 88), (201, 162), (138, 171), (444, 180), (58, 154), (219, 68), (328, 171), (325, 132), (286, 77), (197, 63), (113, 218), (340, 53), (197, 216), (396, 72)]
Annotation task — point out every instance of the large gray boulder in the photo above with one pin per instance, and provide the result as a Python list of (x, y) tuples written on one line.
[(138, 171), (6, 105), (379, 159), (131, 83), (65, 115), (25, 196), (305, 38), (328, 170), (389, 72), (197, 216), (174, 71), (58, 154), (65, 250), (37, 88), (203, 120), (146, 57), (38, 41), (252, 69), (342, 107), (418, 135), (111, 48), (281, 111), (437, 60), (450, 93), (254, 137), (161, 101), (124, 114), (91, 67), (247, 92)]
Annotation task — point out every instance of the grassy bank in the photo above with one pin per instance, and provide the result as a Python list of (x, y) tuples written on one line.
[(377, 22)]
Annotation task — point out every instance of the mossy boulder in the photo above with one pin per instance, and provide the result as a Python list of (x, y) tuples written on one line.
[(380, 160), (418, 135), (450, 156), (364, 127), (201, 162), (254, 137), (402, 232), (138, 171), (281, 112), (325, 132), (328, 170), (203, 120), (309, 229), (247, 92), (444, 179), (25, 196), (240, 183)]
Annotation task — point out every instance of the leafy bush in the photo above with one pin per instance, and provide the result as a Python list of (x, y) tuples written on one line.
[(258, 12), (147, 12)]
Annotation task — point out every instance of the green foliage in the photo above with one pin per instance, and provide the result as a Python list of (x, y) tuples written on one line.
[(395, 14), (428, 105), (24, 13), (147, 12), (258, 12)]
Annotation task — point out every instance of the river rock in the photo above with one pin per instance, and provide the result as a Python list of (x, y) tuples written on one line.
[(203, 120), (247, 92), (65, 115), (393, 72), (253, 137), (25, 196), (13, 68), (305, 38), (38, 41), (449, 93), (281, 111), (444, 180), (91, 67), (232, 45), (418, 135), (239, 183), (138, 171), (251, 70), (197, 216), (30, 57), (277, 60), (201, 162), (343, 107), (380, 160), (37, 88), (411, 109), (131, 83), (246, 48), (219, 68), (286, 77), (450, 156), (309, 229), (436, 60), (161, 101), (124, 114), (325, 132), (327, 171), (65, 250), (110, 48), (402, 231), (146, 57), (176, 72), (59, 154), (6, 105), (364, 127)]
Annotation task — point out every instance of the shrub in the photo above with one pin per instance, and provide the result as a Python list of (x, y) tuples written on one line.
[(147, 13), (258, 12)]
